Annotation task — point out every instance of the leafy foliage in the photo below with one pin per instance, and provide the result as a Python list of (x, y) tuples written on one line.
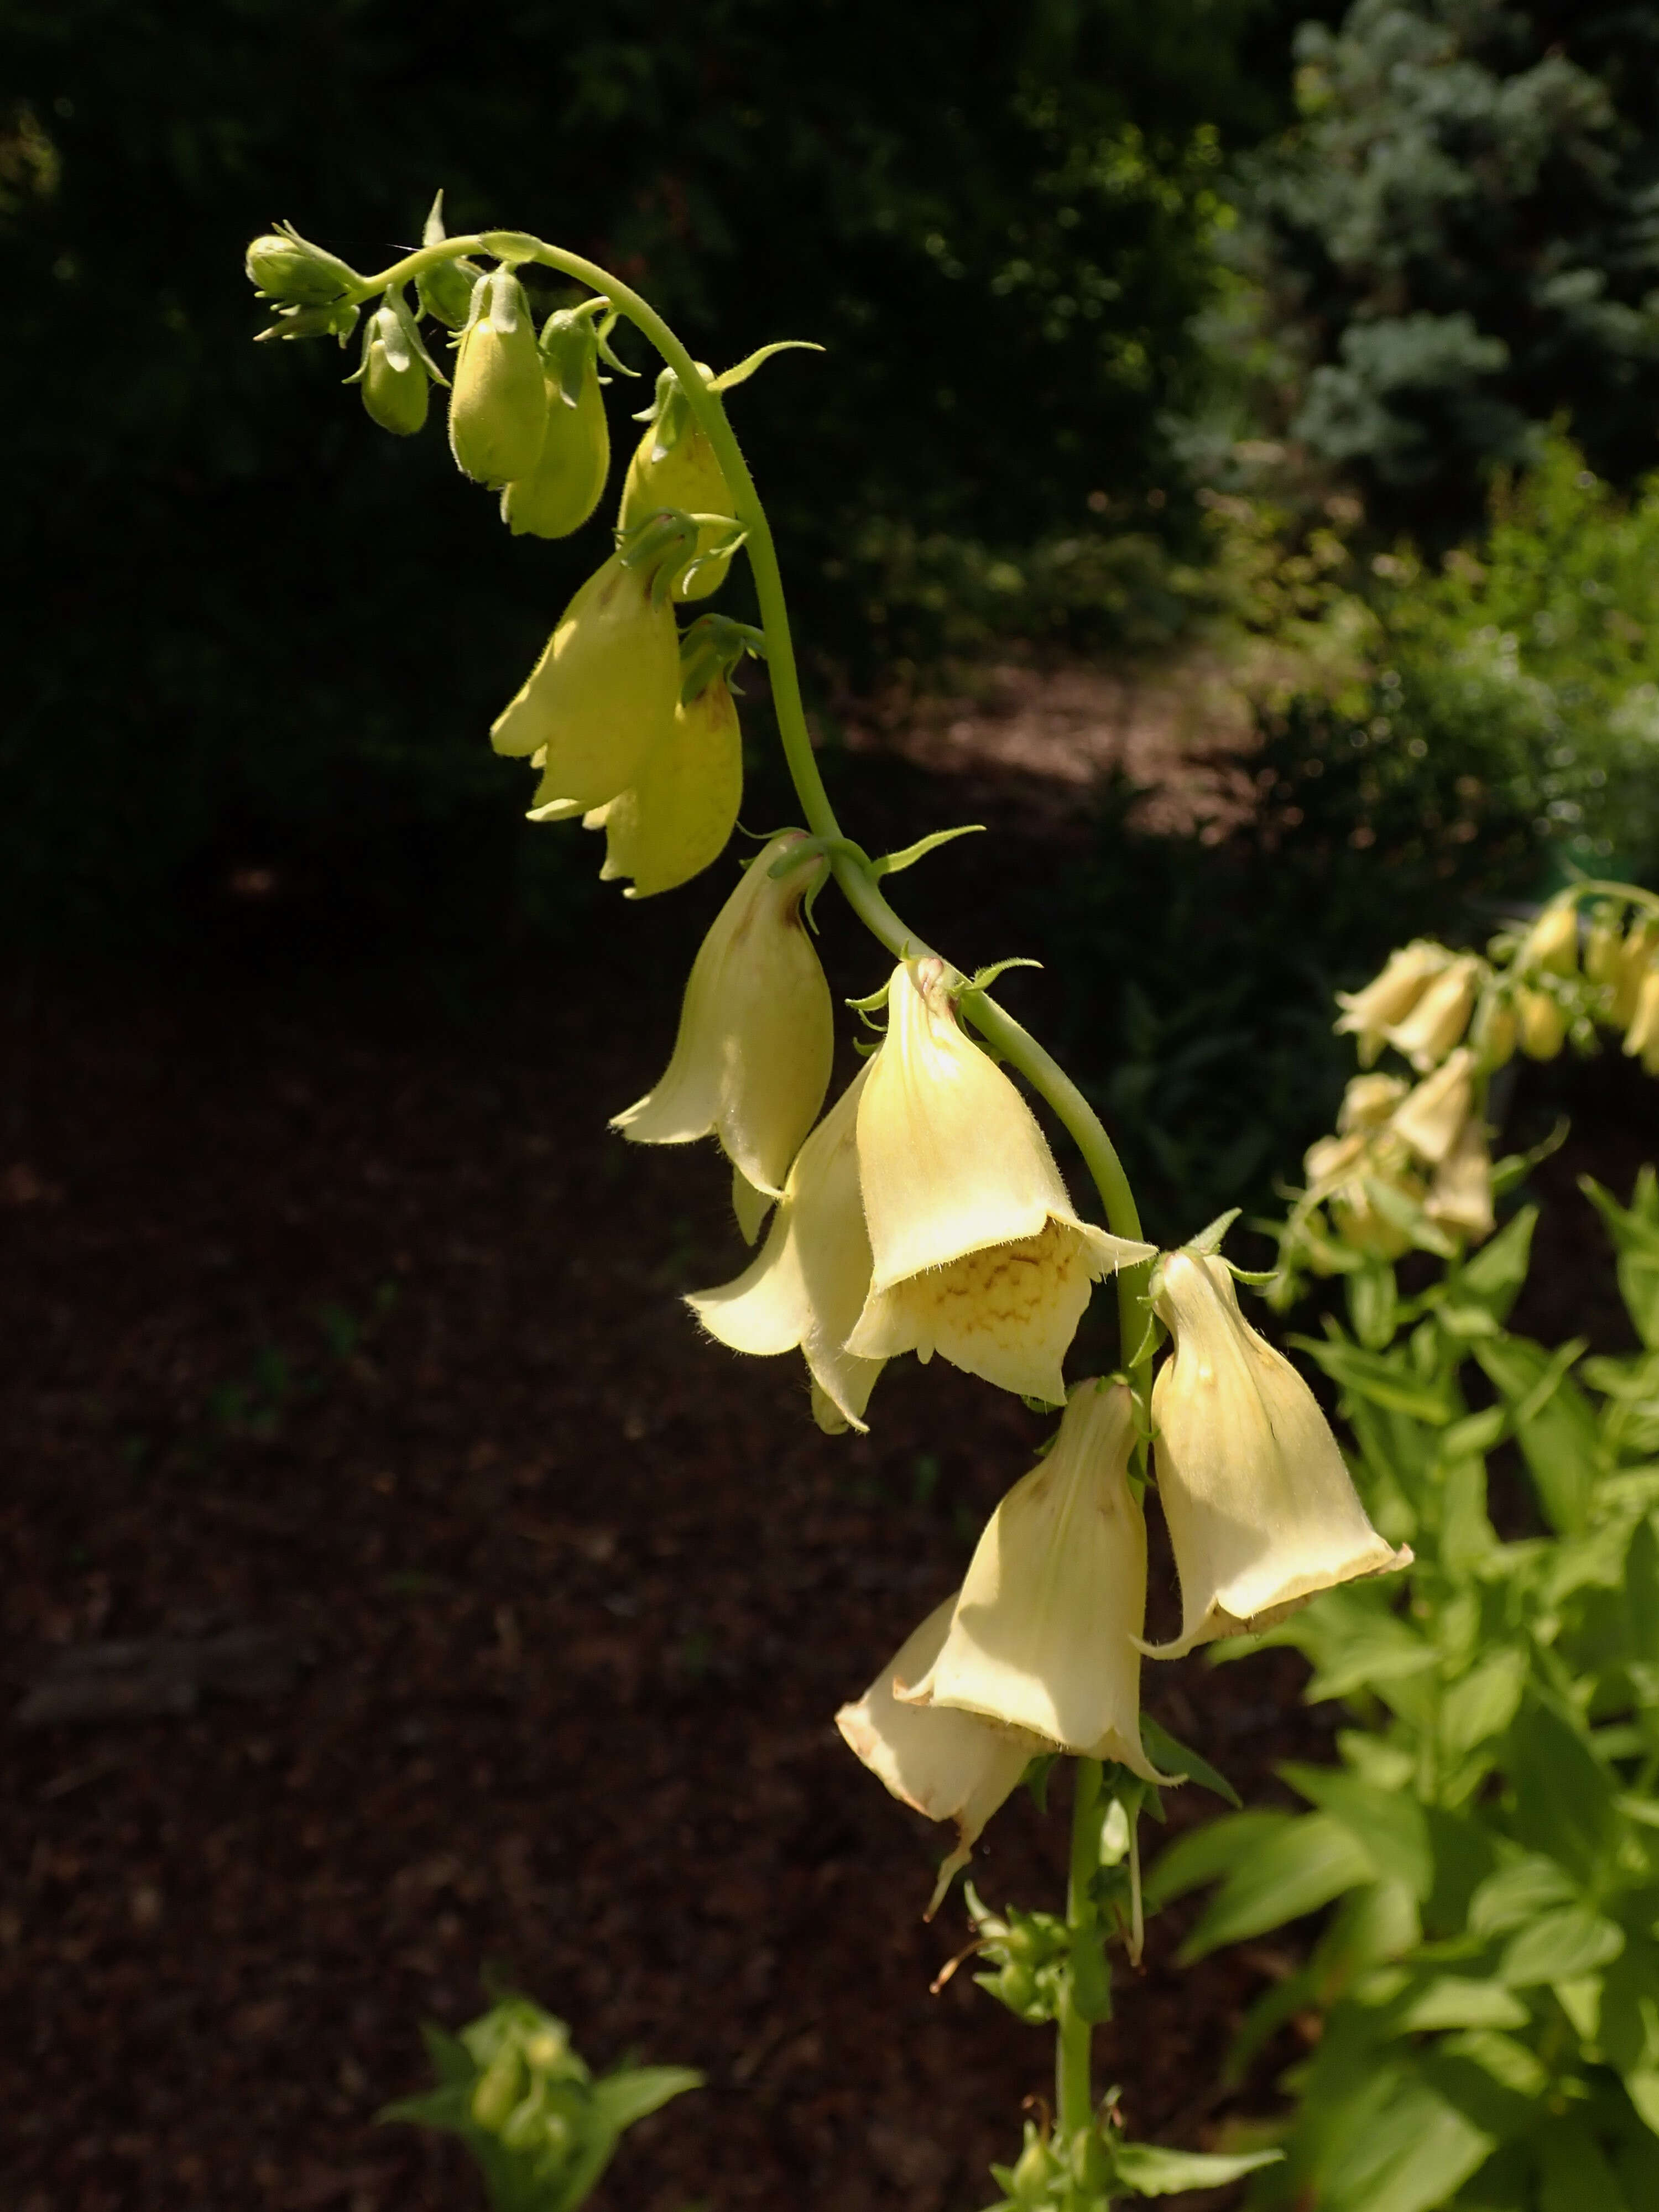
[(1488, 1980), (1461, 234)]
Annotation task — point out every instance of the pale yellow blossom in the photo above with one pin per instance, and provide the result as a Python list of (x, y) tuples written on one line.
[(1390, 996), (1440, 1017), (1431, 1119)]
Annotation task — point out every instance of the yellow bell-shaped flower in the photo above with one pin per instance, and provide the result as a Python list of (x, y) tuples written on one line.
[(805, 1288), (1541, 1023), (977, 1252), (1640, 948), (677, 817), (1551, 943), (1367, 1103), (1460, 1197), (751, 1059), (498, 405), (943, 1763), (1044, 1632), (1368, 1015), (1262, 1511), (1432, 1117), (1440, 1017), (602, 694), (687, 476)]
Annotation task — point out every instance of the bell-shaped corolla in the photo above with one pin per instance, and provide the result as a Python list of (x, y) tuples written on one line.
[(1551, 943), (1440, 1015), (946, 1765), (977, 1253), (1460, 1197), (563, 489), (751, 1060), (1044, 1635), (602, 696), (1345, 1173), (1638, 951), (1262, 1511), (1367, 1015), (1367, 1103), (805, 1286), (1431, 1119), (677, 817), (498, 408), (1540, 1022)]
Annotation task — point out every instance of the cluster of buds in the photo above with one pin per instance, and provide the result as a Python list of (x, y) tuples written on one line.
[(631, 724), (1409, 1165), (925, 1213)]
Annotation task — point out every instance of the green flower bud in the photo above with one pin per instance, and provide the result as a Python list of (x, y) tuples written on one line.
[(282, 265), (674, 465), (563, 489), (498, 409), (1034, 2169), (1092, 2163), (395, 384), (498, 2088), (337, 322)]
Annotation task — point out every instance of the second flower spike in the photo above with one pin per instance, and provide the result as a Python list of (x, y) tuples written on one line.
[(751, 1061), (978, 1254), (1045, 1634), (1261, 1510)]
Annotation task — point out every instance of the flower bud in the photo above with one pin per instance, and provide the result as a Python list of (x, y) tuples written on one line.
[(1431, 1120), (498, 409), (1493, 1037), (289, 268), (943, 1763), (1261, 1512), (1604, 941), (1541, 1021), (1552, 943), (978, 1254), (751, 1059), (1043, 1635), (806, 1285), (674, 466), (395, 384), (1440, 1017), (446, 289), (1390, 997), (1641, 947), (1642, 1038), (563, 488), (603, 692)]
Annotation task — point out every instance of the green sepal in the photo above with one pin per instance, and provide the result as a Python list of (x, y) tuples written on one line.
[(982, 978), (891, 863), (662, 543), (335, 321), (1208, 1240), (445, 291), (746, 368), (710, 649)]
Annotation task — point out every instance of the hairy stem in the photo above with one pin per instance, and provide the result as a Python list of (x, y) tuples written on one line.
[(1075, 2095)]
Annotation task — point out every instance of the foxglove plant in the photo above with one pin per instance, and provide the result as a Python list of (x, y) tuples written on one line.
[(925, 1211)]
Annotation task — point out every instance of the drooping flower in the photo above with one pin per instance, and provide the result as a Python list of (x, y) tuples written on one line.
[(1368, 1102), (1043, 1634), (1551, 943), (944, 1764), (751, 1059), (977, 1252), (1440, 1017), (1640, 949), (1432, 1117), (1460, 1197), (677, 817), (1541, 1023), (1345, 1173), (674, 465), (1261, 1510), (805, 1286), (498, 407), (1389, 998), (602, 694)]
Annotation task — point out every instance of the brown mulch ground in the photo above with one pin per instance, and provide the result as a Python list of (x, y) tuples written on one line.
[(335, 1318)]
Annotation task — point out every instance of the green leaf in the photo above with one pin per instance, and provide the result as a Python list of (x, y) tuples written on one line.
[(1384, 1650), (1152, 2171), (1383, 1378), (1519, 1893), (1484, 1703), (1553, 1424), (1213, 1850), (1494, 1276), (1459, 2001), (1389, 1827), (1562, 1945), (1373, 1305), (1564, 1796), (1636, 1235), (631, 2093), (890, 864), (1411, 2157), (1307, 1862), (1172, 1757)]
